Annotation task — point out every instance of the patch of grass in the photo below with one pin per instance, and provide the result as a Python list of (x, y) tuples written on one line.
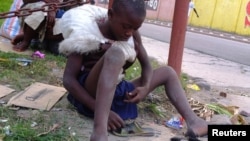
[(184, 79), (24, 129), (5, 7), (153, 108), (135, 71), (19, 77)]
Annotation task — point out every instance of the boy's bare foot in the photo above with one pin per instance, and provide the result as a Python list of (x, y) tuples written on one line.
[(19, 38), (22, 46), (197, 128)]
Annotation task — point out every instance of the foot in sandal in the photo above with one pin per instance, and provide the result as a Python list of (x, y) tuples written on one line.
[(134, 129)]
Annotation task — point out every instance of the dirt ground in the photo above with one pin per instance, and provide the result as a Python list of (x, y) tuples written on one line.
[(81, 126)]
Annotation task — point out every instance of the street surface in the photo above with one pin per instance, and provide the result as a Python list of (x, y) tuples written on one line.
[(225, 48)]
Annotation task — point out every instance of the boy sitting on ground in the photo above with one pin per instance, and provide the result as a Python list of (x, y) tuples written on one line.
[(100, 45)]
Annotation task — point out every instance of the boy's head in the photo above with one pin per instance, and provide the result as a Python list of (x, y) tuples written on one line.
[(125, 17)]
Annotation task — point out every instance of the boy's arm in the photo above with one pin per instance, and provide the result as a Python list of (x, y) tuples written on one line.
[(70, 81), (51, 14), (71, 84), (143, 58), (142, 90)]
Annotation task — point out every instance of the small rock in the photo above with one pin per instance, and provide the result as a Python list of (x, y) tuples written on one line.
[(223, 94), (244, 113)]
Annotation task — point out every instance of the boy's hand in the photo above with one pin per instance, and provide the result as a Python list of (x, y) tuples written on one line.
[(136, 95), (115, 121)]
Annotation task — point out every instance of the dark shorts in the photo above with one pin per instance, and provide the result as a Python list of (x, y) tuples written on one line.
[(123, 109)]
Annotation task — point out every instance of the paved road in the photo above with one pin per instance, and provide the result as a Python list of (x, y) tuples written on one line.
[(223, 45), (214, 70)]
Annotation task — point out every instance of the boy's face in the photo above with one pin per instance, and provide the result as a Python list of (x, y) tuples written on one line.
[(123, 25)]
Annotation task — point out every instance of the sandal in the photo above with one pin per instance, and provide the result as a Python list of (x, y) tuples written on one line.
[(134, 129)]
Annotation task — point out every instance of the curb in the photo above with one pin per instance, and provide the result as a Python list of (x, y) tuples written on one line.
[(206, 31)]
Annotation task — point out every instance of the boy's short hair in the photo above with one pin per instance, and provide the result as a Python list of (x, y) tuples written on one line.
[(137, 6)]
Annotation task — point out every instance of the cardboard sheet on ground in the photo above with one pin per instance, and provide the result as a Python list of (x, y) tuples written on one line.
[(38, 96), (5, 91), (6, 46)]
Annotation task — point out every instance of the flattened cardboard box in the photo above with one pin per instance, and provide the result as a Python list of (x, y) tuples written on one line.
[(38, 96), (5, 91)]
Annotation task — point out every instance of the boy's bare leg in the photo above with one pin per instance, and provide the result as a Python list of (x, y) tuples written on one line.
[(101, 83), (29, 34), (22, 46), (17, 39), (167, 76), (178, 98)]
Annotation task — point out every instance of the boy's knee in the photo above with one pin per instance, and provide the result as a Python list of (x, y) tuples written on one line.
[(169, 70), (114, 55)]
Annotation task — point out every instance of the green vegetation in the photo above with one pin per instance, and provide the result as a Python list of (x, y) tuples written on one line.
[(5, 7), (13, 72), (37, 127)]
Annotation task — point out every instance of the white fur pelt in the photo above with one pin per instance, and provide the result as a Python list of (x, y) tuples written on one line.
[(82, 35), (80, 30), (80, 44)]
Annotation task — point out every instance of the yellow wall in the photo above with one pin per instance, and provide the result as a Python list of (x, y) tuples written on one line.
[(225, 15), (205, 13), (243, 16)]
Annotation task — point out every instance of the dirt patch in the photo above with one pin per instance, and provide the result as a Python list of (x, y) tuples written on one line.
[(81, 127)]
